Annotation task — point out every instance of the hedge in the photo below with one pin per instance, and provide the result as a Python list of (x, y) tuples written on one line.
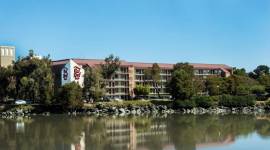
[(204, 101), (210, 101), (237, 101), (187, 104)]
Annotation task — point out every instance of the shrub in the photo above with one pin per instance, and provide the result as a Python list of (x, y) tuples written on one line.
[(267, 103), (142, 90), (164, 102), (237, 101), (203, 101), (262, 97), (258, 89), (215, 99), (70, 96), (242, 90), (187, 104)]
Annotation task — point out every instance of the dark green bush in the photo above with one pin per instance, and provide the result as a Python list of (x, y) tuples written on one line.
[(203, 101), (258, 89), (237, 101), (263, 97), (267, 104), (158, 102), (215, 98), (187, 104)]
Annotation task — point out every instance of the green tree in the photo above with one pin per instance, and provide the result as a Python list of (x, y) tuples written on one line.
[(147, 76), (34, 79), (142, 90), (216, 86), (181, 85), (8, 83), (111, 65), (156, 78), (259, 71), (3, 83), (108, 69), (199, 85), (258, 89), (240, 85), (264, 79), (262, 75), (94, 87), (27, 88), (70, 96), (240, 72), (152, 76), (262, 69), (186, 67)]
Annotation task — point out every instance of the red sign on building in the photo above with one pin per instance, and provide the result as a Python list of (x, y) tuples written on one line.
[(77, 73)]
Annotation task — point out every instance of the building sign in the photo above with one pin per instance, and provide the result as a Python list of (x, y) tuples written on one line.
[(65, 73), (72, 72), (77, 73)]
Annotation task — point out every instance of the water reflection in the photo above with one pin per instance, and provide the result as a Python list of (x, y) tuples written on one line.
[(177, 132)]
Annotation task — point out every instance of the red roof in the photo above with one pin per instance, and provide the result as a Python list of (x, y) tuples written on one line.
[(94, 62)]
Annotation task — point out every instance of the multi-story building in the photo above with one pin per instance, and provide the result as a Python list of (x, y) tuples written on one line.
[(129, 75), (7, 55)]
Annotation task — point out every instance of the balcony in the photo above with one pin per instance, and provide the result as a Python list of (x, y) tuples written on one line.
[(120, 72), (117, 86), (118, 93), (118, 79)]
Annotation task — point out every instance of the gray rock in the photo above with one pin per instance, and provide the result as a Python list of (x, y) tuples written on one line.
[(138, 111), (116, 111), (122, 111), (133, 112)]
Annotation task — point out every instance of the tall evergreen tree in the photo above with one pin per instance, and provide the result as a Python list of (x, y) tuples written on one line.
[(152, 77), (94, 87), (111, 65), (181, 85)]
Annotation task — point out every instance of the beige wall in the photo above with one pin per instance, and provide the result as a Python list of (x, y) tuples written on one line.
[(132, 84), (7, 55)]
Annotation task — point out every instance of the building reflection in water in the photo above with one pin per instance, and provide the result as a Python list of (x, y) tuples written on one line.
[(135, 133), (20, 128), (124, 135), (80, 145)]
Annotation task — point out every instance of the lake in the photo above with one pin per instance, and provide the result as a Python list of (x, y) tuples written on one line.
[(173, 132)]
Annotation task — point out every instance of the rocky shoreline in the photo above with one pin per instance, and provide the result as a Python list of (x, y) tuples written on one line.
[(166, 110), (141, 110)]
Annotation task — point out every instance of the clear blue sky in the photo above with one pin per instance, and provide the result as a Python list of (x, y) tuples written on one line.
[(233, 32)]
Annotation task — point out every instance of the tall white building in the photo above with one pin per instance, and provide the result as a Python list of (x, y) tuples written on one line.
[(7, 55)]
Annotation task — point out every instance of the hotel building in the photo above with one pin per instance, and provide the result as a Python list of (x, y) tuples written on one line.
[(7, 55), (129, 75)]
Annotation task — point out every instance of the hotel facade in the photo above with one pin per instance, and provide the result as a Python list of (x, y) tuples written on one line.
[(7, 55), (129, 75)]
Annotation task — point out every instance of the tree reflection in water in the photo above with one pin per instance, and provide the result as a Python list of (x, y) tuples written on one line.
[(180, 132)]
